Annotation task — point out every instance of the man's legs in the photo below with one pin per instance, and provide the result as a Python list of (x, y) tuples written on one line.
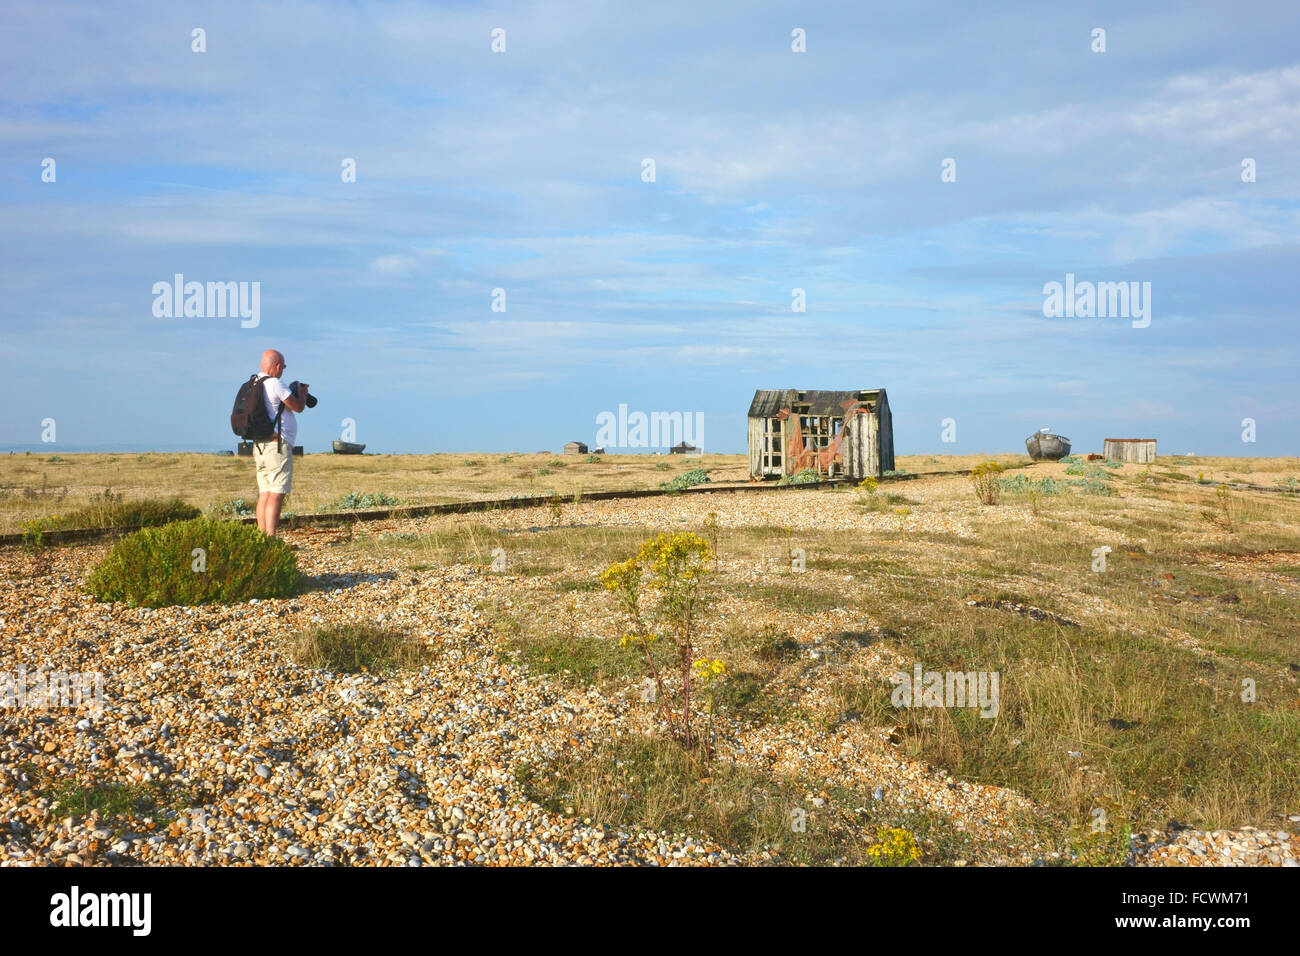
[(262, 497), (269, 519), (274, 470)]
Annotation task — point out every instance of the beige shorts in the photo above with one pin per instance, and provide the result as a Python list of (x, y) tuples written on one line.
[(274, 468)]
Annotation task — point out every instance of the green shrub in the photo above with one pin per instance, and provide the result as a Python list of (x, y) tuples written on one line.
[(1070, 459), (804, 476), (235, 508), (107, 510), (1023, 484), (1092, 485), (687, 479), (662, 466), (158, 566), (592, 459), (1090, 471), (352, 501), (352, 648), (114, 801), (895, 472)]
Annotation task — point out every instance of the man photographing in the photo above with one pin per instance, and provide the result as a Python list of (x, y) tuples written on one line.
[(274, 455)]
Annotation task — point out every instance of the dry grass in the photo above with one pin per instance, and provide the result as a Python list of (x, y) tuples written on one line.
[(33, 487), (636, 782), (1200, 593)]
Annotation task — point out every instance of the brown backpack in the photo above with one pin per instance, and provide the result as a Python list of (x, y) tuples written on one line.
[(248, 419)]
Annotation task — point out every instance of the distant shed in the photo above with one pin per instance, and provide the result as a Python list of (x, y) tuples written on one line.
[(575, 448), (1139, 450), (838, 434)]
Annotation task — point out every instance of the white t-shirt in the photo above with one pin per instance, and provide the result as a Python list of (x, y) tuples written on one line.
[(276, 392)]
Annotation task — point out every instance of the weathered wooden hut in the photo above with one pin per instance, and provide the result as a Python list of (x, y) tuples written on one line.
[(1140, 450), (839, 434), (575, 448)]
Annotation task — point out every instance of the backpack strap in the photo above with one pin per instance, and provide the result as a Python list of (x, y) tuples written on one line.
[(277, 426), (280, 411)]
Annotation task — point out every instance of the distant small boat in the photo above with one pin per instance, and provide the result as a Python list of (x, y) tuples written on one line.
[(348, 448), (1044, 446)]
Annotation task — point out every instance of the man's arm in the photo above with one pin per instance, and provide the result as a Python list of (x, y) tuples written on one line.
[(286, 397)]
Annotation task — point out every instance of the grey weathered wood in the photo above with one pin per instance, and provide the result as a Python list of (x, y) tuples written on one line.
[(1138, 450)]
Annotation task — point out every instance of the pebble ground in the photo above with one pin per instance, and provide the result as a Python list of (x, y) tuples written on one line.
[(266, 762)]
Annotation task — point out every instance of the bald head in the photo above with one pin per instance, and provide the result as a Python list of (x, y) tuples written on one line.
[(272, 362)]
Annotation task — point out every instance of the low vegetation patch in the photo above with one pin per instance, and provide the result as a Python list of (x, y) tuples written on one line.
[(353, 501), (107, 510), (872, 499), (653, 783), (804, 476), (687, 479), (1023, 484), (114, 801), (201, 561), (358, 648)]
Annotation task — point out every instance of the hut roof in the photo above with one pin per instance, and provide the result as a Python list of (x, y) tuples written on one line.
[(768, 402)]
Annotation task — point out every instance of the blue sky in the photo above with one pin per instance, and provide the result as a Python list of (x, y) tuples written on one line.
[(775, 170)]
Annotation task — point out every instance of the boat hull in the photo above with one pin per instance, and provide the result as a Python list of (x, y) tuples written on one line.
[(1047, 447), (348, 448)]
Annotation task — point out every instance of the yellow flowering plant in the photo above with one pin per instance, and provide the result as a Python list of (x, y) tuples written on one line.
[(986, 481), (707, 673), (624, 580), (894, 847), (673, 568)]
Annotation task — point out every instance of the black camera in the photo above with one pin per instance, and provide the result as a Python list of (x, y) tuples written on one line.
[(311, 399)]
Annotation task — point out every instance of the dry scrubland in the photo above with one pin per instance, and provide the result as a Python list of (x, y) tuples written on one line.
[(1120, 690), (33, 486)]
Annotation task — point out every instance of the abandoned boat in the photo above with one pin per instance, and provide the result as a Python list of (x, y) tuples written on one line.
[(347, 448), (1044, 446)]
